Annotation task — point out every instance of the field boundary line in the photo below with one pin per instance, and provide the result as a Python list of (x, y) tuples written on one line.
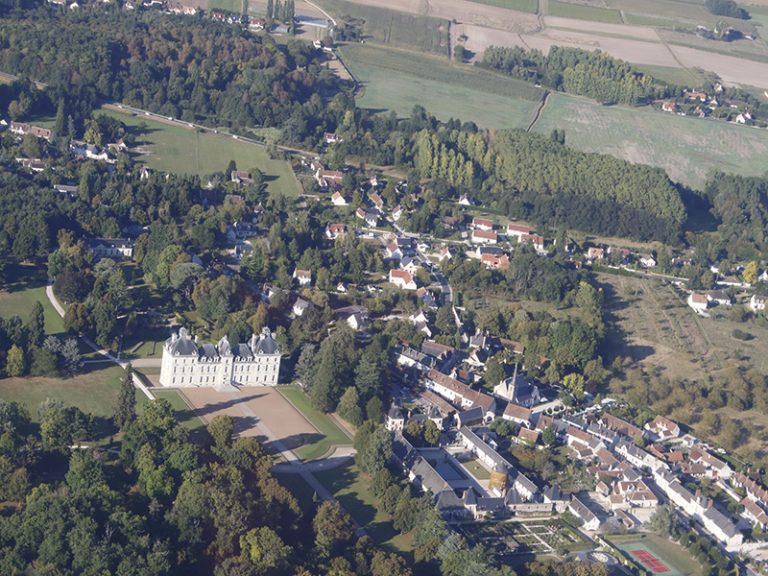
[(539, 110)]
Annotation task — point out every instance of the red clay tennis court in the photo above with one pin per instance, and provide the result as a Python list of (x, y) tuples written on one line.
[(649, 561)]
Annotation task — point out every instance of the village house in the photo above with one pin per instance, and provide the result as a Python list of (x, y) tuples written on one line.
[(517, 414), (301, 306), (110, 247), (402, 279), (329, 137), (337, 199), (669, 106), (698, 302), (484, 237), (647, 261), (421, 323), (328, 178), (393, 251), (622, 427), (662, 428), (356, 317), (518, 231), (716, 468), (459, 393), (303, 277), (336, 230), (482, 224), (22, 129), (534, 240), (178, 8), (595, 253), (719, 298), (371, 218), (376, 200), (32, 164), (588, 519), (757, 303), (240, 177), (397, 212)]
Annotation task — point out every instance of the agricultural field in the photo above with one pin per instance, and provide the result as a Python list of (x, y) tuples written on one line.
[(352, 489), (583, 12), (530, 6), (396, 80), (649, 322), (228, 5), (94, 390), (687, 148), (384, 26), (179, 149), (676, 560), (678, 76)]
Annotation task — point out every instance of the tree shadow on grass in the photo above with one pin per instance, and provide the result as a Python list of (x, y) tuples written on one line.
[(19, 277)]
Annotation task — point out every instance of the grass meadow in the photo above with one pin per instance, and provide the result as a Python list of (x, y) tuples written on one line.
[(182, 150), (582, 12), (398, 80), (352, 489), (384, 26), (25, 285), (530, 6), (687, 148)]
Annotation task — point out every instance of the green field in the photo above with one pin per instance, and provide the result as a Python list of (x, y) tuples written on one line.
[(678, 76), (396, 80), (183, 412), (687, 148), (581, 12), (353, 492), (679, 561), (394, 28), (643, 20), (182, 150), (229, 5), (531, 6), (332, 434), (24, 285), (94, 390)]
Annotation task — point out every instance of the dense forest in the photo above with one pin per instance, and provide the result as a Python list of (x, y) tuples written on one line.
[(631, 200), (741, 205), (196, 70), (576, 71), (727, 8)]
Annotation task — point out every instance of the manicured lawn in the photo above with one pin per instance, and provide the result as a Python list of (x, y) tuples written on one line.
[(183, 150), (477, 469), (581, 12), (95, 390), (677, 558), (353, 492), (397, 80), (25, 286), (530, 6), (332, 434), (183, 412), (683, 146)]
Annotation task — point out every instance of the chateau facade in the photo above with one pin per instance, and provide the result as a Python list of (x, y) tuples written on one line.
[(223, 366)]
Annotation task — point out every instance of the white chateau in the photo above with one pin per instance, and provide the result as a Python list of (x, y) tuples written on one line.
[(223, 366)]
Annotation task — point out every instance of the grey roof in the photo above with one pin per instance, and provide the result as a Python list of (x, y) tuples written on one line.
[(428, 477), (182, 345), (490, 503), (721, 521), (395, 413), (447, 499), (242, 351), (266, 344), (581, 510), (473, 415), (553, 494), (209, 351)]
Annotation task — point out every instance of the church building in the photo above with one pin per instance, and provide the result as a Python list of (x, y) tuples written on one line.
[(223, 366)]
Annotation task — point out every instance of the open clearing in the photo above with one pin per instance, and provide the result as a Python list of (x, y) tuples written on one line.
[(687, 148), (94, 390), (26, 285), (583, 12), (530, 6), (678, 561), (183, 150), (395, 80), (353, 492)]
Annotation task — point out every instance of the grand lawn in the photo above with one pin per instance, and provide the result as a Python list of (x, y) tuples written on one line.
[(178, 149)]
